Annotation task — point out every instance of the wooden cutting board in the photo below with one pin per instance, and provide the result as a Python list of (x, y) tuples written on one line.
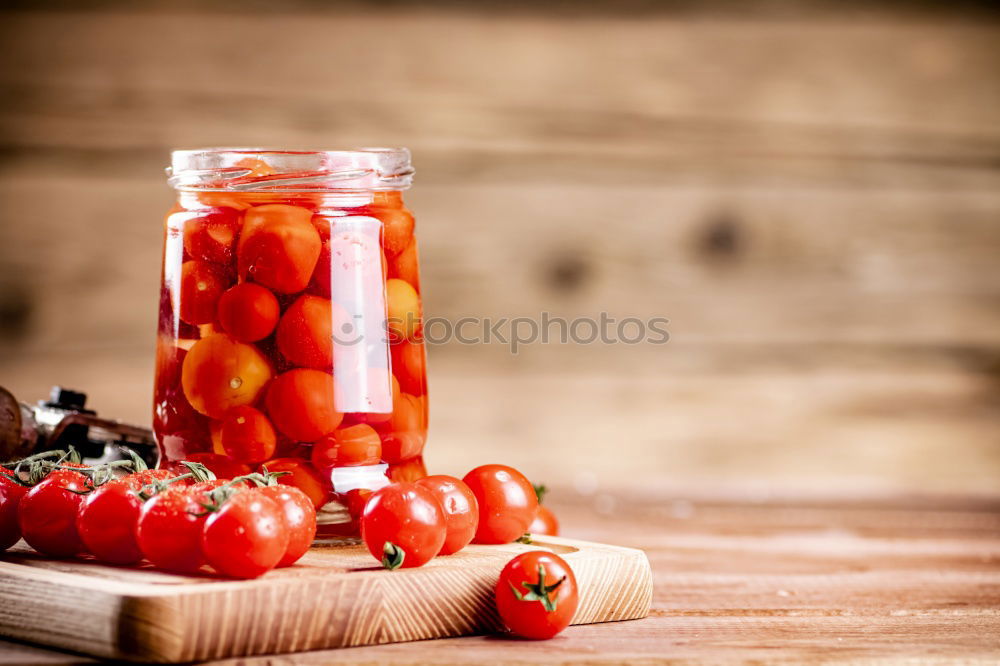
[(336, 596)]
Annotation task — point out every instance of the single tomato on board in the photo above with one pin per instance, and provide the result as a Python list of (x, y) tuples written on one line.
[(537, 595), (507, 503), (403, 525), (461, 511)]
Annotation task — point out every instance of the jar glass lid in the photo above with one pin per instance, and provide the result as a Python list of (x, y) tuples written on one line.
[(262, 169)]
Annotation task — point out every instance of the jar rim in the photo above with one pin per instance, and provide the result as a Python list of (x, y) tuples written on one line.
[(268, 169)]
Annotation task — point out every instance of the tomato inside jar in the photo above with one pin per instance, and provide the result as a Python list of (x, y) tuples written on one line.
[(289, 334)]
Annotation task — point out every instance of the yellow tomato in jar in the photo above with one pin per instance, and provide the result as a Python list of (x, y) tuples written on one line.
[(402, 309), (220, 373)]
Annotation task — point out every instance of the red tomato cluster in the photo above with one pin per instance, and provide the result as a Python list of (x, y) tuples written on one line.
[(407, 524), (257, 287), (242, 527)]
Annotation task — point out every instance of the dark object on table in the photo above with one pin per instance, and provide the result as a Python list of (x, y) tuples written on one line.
[(63, 421)]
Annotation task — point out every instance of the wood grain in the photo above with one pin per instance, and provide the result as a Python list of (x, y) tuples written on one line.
[(334, 597), (754, 577)]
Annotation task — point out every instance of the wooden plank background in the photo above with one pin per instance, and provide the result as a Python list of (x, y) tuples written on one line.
[(810, 195)]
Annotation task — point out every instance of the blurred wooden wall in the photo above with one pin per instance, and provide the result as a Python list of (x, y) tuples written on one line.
[(811, 197)]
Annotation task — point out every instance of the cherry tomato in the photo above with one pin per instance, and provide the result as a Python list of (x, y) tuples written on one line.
[(403, 525), (11, 493), (408, 363), (301, 404), (202, 284), (507, 503), (248, 312), (404, 433), (403, 314), (301, 475), (211, 237), (247, 435), (47, 514), (220, 373), (397, 229), (147, 476), (306, 331), (354, 445), (461, 512), (545, 522), (223, 467), (107, 520), (413, 469), (537, 595), (405, 265), (355, 500), (278, 247), (169, 528), (246, 537), (299, 515)]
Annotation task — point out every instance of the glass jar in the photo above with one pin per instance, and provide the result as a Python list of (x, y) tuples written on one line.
[(289, 331)]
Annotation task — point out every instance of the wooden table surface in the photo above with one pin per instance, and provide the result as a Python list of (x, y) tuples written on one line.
[(756, 578)]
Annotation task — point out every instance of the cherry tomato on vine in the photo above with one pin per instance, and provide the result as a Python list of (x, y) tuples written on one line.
[(147, 476), (300, 520), (170, 526), (11, 493), (537, 595), (246, 536), (461, 511), (107, 520), (403, 525), (47, 514), (507, 503)]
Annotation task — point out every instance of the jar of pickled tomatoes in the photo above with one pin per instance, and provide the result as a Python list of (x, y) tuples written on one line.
[(289, 333)]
